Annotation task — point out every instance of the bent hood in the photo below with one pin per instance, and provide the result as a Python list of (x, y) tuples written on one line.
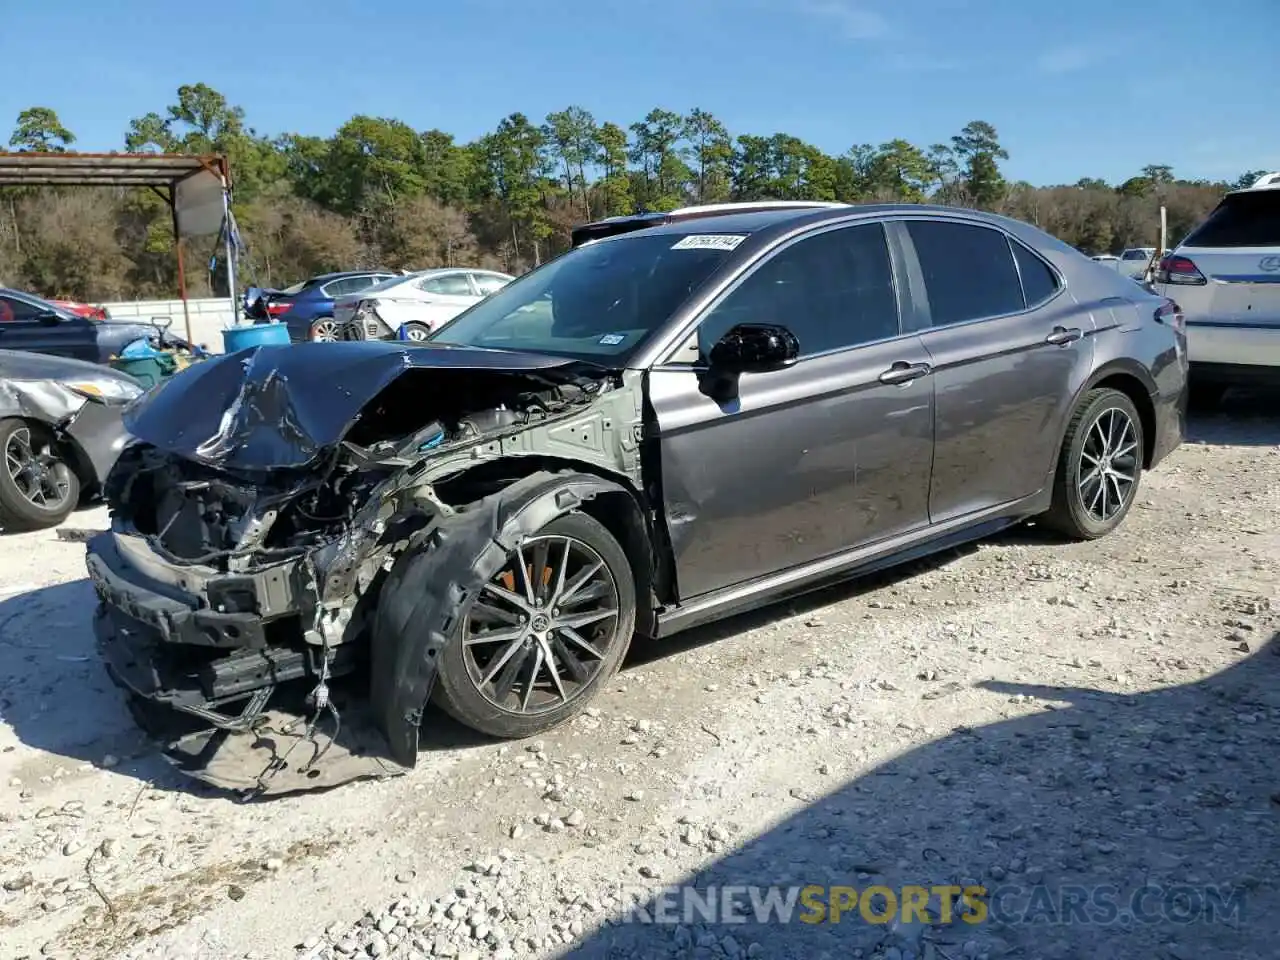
[(280, 406)]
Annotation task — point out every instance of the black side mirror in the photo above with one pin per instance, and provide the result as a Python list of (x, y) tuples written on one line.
[(754, 348), (48, 317)]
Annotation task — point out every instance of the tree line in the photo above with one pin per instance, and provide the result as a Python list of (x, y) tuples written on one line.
[(379, 193)]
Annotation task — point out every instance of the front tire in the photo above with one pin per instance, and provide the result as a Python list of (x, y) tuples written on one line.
[(38, 489), (546, 633), (1099, 467)]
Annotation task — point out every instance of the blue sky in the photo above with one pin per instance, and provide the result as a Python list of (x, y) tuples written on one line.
[(1075, 88)]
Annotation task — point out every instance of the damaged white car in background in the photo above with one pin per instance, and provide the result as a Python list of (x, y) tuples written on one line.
[(410, 307)]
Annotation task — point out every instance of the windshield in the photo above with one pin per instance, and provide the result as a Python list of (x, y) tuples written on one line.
[(598, 301)]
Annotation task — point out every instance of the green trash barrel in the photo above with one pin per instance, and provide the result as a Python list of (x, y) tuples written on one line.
[(146, 370)]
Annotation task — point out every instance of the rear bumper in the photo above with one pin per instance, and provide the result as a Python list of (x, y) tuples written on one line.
[(1228, 344), (1170, 423)]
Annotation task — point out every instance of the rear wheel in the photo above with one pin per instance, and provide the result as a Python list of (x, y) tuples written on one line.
[(417, 332), (324, 330), (38, 488), (1099, 467), (545, 633)]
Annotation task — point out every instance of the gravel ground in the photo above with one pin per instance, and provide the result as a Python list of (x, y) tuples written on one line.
[(1042, 718)]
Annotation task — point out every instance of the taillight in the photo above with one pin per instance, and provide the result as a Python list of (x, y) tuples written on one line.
[(1175, 269), (275, 309), (1170, 313)]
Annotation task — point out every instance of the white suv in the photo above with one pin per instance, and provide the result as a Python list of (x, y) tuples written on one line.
[(1226, 277)]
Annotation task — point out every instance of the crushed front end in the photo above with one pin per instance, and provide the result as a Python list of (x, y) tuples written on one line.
[(247, 553)]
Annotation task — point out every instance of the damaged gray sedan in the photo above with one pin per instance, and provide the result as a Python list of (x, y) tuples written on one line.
[(60, 433), (661, 427)]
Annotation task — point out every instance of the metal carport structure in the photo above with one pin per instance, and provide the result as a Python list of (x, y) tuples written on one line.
[(197, 190)]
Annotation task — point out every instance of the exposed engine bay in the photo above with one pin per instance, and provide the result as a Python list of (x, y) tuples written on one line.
[(249, 550)]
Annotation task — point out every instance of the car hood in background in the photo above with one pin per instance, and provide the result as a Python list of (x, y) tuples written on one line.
[(279, 407)]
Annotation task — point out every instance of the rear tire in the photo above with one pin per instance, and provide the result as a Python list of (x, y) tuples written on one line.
[(416, 332), (31, 463), (1099, 466), (461, 690), (323, 330)]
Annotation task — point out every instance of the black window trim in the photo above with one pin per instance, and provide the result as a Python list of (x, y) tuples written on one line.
[(676, 346), (926, 311)]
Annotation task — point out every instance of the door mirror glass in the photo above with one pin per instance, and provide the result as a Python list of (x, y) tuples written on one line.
[(49, 317), (754, 348)]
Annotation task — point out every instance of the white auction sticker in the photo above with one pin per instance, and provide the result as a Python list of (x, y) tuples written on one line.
[(709, 241)]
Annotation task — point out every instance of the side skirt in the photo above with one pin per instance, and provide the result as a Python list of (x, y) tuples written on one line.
[(844, 566)]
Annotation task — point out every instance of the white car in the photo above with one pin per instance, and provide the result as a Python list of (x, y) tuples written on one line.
[(1226, 277), (1133, 262), (416, 303)]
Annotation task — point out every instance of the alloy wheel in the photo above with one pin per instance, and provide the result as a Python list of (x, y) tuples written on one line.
[(1109, 464), (543, 627), (324, 331), (416, 334), (41, 478)]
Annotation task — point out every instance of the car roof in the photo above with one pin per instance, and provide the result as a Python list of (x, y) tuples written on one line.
[(341, 274), (786, 218)]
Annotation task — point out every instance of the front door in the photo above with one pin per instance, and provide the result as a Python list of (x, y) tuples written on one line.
[(805, 462), (1008, 346)]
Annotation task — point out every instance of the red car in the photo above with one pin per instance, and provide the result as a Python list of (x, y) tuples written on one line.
[(88, 311)]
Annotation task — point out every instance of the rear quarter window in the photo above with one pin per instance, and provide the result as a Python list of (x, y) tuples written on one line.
[(1039, 282), (1248, 219)]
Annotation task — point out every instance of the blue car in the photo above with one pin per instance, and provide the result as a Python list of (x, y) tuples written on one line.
[(307, 307)]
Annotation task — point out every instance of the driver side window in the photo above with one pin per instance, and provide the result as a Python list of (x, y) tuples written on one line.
[(833, 290)]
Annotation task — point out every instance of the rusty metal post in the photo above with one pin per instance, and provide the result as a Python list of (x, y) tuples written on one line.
[(182, 273)]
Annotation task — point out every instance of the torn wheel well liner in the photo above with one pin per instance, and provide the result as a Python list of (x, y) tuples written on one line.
[(430, 585)]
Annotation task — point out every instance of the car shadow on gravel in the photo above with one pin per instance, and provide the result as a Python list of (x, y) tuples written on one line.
[(1103, 825), (1246, 418)]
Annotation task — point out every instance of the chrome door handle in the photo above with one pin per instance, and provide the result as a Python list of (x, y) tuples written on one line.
[(903, 372), (1061, 336)]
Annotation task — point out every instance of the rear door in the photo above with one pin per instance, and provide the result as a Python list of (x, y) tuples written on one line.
[(1009, 347), (1237, 253)]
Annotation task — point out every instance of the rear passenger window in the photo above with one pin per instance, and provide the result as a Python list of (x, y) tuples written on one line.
[(833, 290), (1039, 283), (968, 271)]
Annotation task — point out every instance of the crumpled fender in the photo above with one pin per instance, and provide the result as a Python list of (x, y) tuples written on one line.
[(428, 589)]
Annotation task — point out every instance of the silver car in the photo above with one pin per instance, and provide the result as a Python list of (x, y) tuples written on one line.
[(1226, 277)]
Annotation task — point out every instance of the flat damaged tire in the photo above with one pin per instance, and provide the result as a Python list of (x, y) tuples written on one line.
[(542, 636)]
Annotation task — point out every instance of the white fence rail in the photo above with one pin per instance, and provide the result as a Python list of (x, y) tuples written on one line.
[(208, 317)]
